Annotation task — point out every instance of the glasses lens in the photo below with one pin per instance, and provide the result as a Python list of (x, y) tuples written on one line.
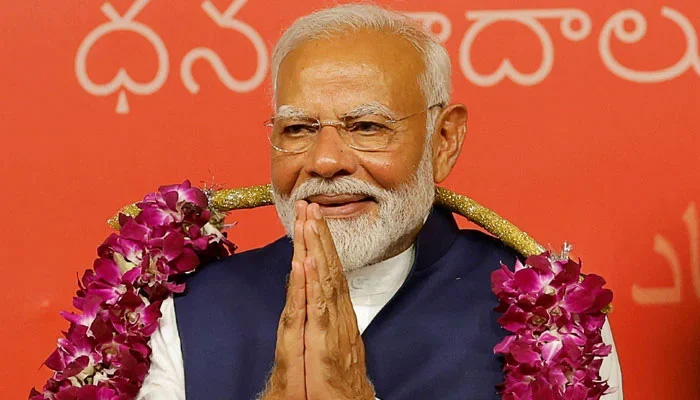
[(293, 134), (370, 132)]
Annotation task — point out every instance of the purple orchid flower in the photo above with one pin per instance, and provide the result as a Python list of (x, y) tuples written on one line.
[(555, 347)]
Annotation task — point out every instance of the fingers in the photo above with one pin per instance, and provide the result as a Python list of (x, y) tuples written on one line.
[(294, 312), (321, 248), (296, 292), (298, 241), (314, 249), (318, 314), (329, 306), (301, 206), (287, 378), (324, 234), (291, 326), (333, 351), (331, 275)]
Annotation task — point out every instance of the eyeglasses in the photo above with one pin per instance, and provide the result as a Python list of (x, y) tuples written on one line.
[(369, 132)]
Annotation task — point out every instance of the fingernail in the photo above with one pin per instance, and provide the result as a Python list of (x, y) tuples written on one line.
[(317, 211)]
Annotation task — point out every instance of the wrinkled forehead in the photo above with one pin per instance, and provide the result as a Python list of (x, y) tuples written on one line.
[(343, 73)]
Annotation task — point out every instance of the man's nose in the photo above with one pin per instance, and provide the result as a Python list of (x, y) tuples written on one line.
[(330, 156)]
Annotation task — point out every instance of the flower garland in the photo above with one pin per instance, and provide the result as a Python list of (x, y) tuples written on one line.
[(555, 316), (105, 354)]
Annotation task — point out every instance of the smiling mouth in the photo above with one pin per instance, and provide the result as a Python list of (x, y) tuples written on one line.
[(343, 205)]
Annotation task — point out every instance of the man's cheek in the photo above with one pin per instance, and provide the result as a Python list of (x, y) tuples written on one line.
[(388, 172), (284, 175)]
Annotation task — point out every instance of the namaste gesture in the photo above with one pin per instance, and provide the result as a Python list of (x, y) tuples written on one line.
[(320, 354)]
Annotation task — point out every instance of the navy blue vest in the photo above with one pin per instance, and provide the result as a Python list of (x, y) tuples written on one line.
[(433, 340)]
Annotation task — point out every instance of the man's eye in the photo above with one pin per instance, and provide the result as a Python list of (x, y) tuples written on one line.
[(366, 127), (298, 129)]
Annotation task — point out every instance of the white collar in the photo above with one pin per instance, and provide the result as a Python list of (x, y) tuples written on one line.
[(380, 281)]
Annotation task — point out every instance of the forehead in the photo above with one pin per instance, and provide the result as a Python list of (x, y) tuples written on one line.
[(333, 75)]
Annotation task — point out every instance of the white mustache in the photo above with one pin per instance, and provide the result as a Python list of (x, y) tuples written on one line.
[(338, 186)]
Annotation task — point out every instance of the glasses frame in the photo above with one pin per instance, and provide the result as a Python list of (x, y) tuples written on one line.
[(342, 129)]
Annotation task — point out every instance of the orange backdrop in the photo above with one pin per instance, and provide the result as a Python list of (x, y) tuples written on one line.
[(589, 132)]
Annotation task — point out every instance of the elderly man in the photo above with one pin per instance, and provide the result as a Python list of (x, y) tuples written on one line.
[(378, 294)]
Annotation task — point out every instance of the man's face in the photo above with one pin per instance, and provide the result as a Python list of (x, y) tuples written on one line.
[(326, 79)]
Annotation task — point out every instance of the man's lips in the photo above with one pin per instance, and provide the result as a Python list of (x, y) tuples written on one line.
[(342, 205)]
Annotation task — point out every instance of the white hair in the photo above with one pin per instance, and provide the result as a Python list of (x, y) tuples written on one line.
[(435, 81)]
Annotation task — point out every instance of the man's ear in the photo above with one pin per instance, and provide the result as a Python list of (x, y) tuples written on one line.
[(448, 136)]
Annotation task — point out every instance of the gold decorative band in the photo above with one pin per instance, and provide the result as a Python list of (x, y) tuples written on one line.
[(489, 220), (247, 197), (256, 196)]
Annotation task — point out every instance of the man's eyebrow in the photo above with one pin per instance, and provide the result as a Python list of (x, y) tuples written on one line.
[(369, 108), (287, 111)]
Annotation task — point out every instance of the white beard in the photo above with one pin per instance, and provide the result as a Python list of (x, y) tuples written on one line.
[(368, 239)]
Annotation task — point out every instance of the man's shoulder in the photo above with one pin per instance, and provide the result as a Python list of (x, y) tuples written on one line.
[(478, 247), (462, 273), (481, 239)]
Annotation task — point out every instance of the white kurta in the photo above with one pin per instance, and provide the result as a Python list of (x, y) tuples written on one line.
[(371, 287)]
